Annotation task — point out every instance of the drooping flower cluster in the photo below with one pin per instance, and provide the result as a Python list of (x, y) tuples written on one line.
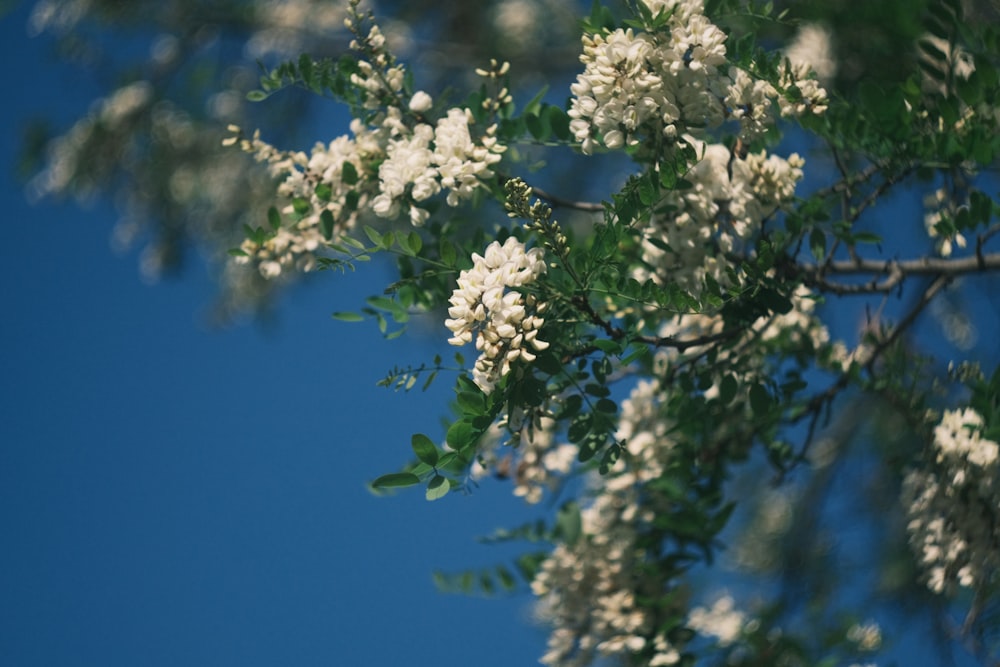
[(657, 86), (722, 621), (954, 507), (531, 457), (422, 162), (485, 306), (724, 207), (591, 589)]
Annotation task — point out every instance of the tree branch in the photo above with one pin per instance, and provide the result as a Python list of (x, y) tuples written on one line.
[(894, 271)]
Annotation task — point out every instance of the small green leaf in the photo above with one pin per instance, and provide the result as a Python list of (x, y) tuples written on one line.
[(396, 480), (414, 242), (448, 254), (460, 435), (438, 487), (323, 192), (760, 399), (817, 244), (274, 218), (346, 316), (727, 389), (256, 95), (373, 235), (348, 174), (425, 450), (326, 222)]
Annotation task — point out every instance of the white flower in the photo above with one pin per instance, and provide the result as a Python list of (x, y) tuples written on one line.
[(813, 47), (505, 323), (952, 507), (723, 621), (421, 102)]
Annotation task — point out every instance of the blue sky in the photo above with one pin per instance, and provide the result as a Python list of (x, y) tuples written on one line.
[(171, 494)]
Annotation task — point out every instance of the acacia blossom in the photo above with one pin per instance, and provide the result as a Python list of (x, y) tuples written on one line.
[(336, 167), (728, 199), (590, 589), (504, 322), (953, 506), (674, 80)]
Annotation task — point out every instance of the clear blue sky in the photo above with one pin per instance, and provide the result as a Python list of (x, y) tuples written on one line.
[(174, 495)]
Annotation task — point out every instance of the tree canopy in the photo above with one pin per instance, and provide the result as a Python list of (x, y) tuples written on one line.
[(699, 260)]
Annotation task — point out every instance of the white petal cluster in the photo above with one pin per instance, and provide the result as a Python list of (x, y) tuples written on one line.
[(954, 507), (422, 162), (503, 322), (722, 620), (811, 97), (729, 199), (957, 438), (587, 590), (940, 206), (674, 80), (590, 591), (813, 45), (532, 458), (294, 247)]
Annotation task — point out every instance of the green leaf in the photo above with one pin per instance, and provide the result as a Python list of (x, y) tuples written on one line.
[(579, 427), (535, 105), (323, 192), (396, 480), (606, 405), (256, 96), (727, 389), (460, 435), (348, 173), (326, 222), (438, 487), (558, 121), (760, 399), (537, 126), (274, 218), (447, 253), (817, 244), (373, 235), (411, 243), (346, 316), (425, 450)]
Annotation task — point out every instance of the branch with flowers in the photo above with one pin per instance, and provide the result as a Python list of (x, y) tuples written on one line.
[(671, 336)]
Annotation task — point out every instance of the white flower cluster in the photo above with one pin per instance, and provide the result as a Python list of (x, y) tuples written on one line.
[(531, 458), (938, 206), (504, 322), (867, 636), (416, 160), (954, 508), (639, 86), (723, 621), (294, 247), (728, 200), (590, 590), (423, 161), (813, 45)]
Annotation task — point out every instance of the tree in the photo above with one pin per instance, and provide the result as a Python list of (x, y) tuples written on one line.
[(652, 277)]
